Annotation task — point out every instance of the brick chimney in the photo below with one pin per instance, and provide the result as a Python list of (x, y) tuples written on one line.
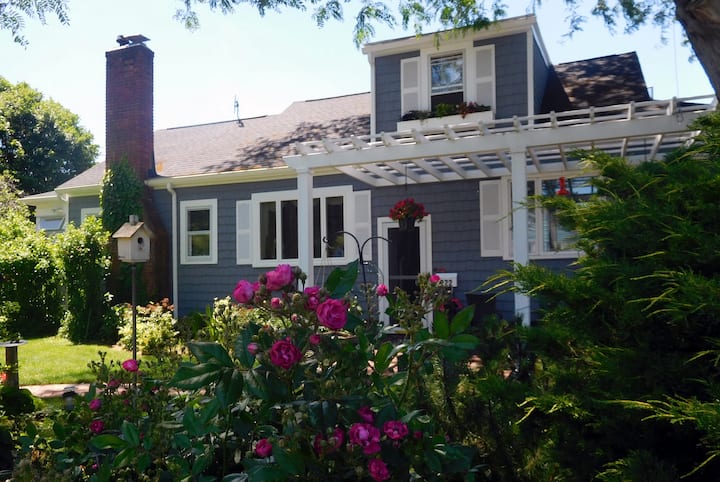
[(129, 105), (129, 136)]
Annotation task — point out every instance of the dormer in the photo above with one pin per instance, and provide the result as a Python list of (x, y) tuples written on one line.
[(501, 70)]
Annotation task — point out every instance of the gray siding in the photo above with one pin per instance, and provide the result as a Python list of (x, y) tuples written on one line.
[(198, 285), (76, 204), (388, 107), (455, 212), (511, 89), (541, 73)]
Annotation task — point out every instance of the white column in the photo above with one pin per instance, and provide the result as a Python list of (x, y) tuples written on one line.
[(520, 224), (305, 224)]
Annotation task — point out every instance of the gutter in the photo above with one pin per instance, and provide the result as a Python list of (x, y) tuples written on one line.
[(173, 248)]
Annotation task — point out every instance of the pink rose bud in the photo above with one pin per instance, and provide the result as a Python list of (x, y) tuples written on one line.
[(276, 303), (434, 278), (382, 290), (314, 339), (130, 365), (253, 348)]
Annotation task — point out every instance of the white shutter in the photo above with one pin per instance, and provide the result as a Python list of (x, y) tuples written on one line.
[(491, 236), (410, 84), (363, 222), (243, 231), (485, 75)]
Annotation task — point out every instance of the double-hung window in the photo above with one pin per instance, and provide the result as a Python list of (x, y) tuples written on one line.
[(198, 231), (274, 236), (446, 80)]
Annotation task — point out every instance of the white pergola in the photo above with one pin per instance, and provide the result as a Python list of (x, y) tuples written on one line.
[(515, 147)]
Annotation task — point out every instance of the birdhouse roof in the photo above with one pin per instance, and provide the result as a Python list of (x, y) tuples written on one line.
[(128, 230)]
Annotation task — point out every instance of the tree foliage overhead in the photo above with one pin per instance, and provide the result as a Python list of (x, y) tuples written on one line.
[(14, 12), (41, 142), (699, 18)]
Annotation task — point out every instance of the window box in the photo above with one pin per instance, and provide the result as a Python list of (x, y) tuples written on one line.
[(440, 122)]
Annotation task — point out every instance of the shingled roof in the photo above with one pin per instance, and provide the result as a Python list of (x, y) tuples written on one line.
[(259, 142), (601, 81)]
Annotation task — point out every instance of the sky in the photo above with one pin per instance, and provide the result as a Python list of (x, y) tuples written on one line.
[(266, 63)]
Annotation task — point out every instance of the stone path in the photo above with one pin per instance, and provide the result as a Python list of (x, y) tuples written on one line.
[(48, 391)]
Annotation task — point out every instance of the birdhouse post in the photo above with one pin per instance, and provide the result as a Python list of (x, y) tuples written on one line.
[(133, 240)]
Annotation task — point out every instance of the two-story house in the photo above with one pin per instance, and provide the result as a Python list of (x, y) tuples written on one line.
[(237, 198)]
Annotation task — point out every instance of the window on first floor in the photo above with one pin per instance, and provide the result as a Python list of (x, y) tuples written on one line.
[(273, 232), (546, 236), (50, 224), (87, 212), (198, 231)]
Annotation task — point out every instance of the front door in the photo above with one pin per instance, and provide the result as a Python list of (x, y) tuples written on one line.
[(405, 255)]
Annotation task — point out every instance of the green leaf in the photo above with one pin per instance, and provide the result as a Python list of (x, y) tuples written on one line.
[(462, 320), (235, 478), (341, 280), (291, 463), (441, 326), (107, 441), (229, 388), (465, 341), (130, 433), (125, 458), (206, 351), (383, 357), (241, 343), (193, 377)]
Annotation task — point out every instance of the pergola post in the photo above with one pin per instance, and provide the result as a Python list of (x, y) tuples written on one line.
[(305, 223), (518, 164)]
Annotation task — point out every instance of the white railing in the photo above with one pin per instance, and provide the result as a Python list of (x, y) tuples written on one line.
[(553, 120)]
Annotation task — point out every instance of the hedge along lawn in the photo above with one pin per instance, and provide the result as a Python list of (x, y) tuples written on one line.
[(56, 360)]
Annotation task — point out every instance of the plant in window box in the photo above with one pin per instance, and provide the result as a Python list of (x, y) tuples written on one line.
[(416, 115), (406, 212)]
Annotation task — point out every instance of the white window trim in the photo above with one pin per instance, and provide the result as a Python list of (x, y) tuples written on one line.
[(469, 79), (348, 220), (505, 203), (185, 206)]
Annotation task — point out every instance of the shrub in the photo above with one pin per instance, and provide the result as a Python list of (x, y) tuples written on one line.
[(155, 335), (85, 262), (30, 293)]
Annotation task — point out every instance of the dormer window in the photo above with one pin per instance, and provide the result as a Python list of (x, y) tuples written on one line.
[(446, 80)]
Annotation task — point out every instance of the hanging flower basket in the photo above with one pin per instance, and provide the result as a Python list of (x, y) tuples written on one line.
[(406, 212)]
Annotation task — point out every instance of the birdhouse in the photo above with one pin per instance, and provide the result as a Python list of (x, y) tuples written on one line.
[(133, 240)]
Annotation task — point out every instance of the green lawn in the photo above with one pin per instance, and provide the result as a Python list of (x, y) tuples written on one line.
[(56, 360)]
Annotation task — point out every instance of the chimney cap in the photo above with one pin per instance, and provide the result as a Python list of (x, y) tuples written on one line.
[(131, 39)]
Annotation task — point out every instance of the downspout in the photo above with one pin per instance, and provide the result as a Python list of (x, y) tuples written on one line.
[(65, 199), (173, 247)]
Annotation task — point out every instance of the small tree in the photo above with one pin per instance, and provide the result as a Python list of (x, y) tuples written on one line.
[(86, 262), (625, 329)]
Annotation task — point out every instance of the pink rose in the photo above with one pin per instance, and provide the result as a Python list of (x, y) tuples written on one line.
[(378, 470), (253, 348), (276, 303), (97, 426), (113, 383), (313, 297), (332, 314), (435, 278), (263, 448), (333, 443), (130, 365), (284, 354), (395, 429), (381, 290), (314, 339), (366, 414), (279, 277), (366, 436), (244, 292), (95, 404)]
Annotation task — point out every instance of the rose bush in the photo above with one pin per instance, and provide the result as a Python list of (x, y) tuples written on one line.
[(316, 387)]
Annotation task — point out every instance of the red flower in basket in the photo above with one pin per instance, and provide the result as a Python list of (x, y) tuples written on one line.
[(407, 208)]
